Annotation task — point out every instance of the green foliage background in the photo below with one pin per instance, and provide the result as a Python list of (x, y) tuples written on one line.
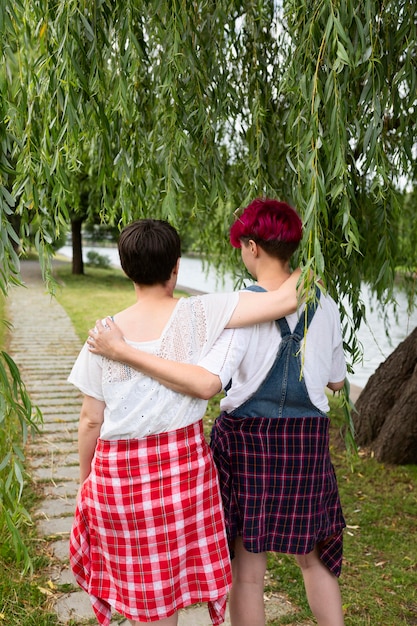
[(185, 110)]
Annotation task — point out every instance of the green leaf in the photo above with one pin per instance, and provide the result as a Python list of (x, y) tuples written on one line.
[(7, 196)]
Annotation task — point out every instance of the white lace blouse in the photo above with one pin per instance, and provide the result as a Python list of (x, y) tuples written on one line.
[(137, 406)]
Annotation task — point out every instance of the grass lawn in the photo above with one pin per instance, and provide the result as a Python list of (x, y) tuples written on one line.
[(379, 577)]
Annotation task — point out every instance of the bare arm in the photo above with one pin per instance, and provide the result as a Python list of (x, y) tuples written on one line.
[(91, 419), (336, 386), (192, 380), (255, 308)]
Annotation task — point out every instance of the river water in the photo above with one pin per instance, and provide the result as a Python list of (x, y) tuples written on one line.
[(377, 346)]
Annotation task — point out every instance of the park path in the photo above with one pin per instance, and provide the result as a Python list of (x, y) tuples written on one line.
[(44, 345)]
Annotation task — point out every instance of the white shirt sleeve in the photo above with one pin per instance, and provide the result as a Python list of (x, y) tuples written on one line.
[(219, 309), (227, 353), (86, 374)]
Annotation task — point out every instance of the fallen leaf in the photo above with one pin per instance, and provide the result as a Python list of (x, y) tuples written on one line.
[(46, 592)]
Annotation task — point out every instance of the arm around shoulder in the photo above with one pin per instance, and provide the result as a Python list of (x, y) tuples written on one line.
[(255, 308), (183, 378)]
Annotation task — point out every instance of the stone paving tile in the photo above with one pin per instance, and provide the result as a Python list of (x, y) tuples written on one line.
[(49, 447), (58, 426), (67, 489), (60, 550), (57, 401), (65, 577), (55, 507), (57, 395), (55, 526), (56, 473), (61, 411), (75, 606), (56, 457), (55, 439)]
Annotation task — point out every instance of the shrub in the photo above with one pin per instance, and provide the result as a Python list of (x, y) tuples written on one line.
[(95, 259)]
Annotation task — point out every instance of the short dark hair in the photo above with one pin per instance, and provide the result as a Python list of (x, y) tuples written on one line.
[(148, 251), (272, 224)]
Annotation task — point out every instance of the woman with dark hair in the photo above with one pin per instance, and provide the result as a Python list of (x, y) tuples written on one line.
[(148, 536), (271, 440)]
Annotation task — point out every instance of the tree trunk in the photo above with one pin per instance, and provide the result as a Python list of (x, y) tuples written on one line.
[(386, 420), (77, 247)]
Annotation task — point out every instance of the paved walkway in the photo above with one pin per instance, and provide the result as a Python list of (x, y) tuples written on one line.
[(44, 346)]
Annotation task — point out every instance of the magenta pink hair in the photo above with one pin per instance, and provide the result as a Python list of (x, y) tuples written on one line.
[(267, 220)]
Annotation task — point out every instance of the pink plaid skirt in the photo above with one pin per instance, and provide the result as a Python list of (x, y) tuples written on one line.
[(148, 536)]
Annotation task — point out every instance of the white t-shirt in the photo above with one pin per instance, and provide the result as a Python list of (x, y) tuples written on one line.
[(251, 353), (136, 405)]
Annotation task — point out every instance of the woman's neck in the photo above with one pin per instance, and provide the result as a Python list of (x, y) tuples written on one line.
[(159, 291), (271, 277), (146, 319)]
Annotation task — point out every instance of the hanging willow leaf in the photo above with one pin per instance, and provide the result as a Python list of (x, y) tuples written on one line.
[(162, 108)]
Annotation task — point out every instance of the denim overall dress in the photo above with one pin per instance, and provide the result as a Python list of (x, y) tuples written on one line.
[(277, 481)]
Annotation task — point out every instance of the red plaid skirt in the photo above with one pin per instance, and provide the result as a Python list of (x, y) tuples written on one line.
[(148, 536), (278, 485)]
